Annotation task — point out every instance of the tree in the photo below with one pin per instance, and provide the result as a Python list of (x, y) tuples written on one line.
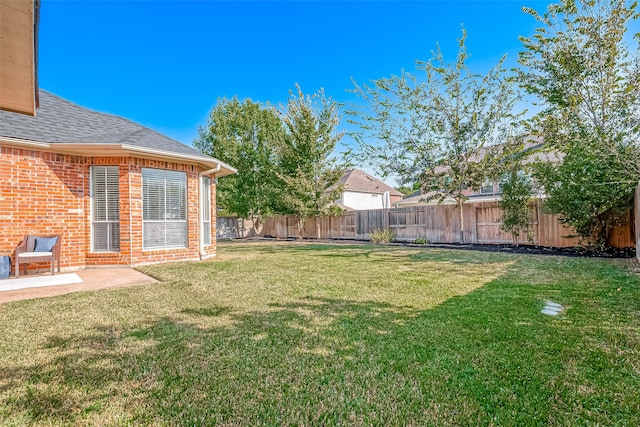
[(437, 130), (407, 190), (579, 66), (590, 192), (514, 202), (244, 135), (307, 171)]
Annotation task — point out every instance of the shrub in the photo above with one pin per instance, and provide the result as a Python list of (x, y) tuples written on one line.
[(420, 241), (381, 235)]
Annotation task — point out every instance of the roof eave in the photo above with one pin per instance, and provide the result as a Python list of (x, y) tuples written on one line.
[(372, 192), (117, 150)]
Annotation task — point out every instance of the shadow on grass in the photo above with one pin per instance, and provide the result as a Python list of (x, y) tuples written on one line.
[(488, 357), (209, 311)]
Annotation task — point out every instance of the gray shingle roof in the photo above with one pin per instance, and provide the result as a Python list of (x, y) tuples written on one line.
[(359, 180), (60, 121)]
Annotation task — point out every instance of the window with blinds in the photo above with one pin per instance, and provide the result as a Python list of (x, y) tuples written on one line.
[(105, 209), (205, 205), (164, 209)]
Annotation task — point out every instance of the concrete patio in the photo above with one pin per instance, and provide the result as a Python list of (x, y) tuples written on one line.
[(41, 285)]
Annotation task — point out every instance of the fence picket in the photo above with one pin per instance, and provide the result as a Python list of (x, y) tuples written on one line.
[(439, 224)]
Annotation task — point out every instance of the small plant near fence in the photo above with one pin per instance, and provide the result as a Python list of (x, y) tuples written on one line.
[(421, 241), (381, 235)]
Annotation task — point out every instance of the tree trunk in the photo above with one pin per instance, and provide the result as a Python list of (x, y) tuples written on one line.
[(318, 227), (300, 227), (461, 222), (253, 225)]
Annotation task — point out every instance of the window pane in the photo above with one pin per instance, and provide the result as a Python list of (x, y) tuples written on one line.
[(105, 208), (100, 236), (206, 198), (176, 234), (114, 234), (176, 208), (98, 193), (206, 229), (152, 197), (487, 188), (113, 194), (206, 210), (153, 234), (164, 199)]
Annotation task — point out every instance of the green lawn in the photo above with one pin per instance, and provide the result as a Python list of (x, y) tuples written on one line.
[(309, 334)]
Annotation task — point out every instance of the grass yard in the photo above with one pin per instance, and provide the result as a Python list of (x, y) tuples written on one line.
[(310, 334)]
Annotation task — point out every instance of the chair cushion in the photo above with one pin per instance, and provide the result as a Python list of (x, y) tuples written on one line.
[(45, 244), (35, 254)]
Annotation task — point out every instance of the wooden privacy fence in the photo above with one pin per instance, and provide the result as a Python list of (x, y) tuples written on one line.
[(231, 227), (439, 224)]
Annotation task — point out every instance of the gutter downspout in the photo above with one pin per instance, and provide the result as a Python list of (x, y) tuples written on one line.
[(213, 171)]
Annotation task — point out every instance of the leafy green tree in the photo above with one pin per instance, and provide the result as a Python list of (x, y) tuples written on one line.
[(307, 170), (437, 128), (589, 190), (579, 65), (517, 190), (244, 134), (409, 189)]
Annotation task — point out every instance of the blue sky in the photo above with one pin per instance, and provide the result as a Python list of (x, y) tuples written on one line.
[(164, 64)]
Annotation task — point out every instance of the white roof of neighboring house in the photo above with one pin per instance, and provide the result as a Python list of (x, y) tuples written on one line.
[(360, 181), (420, 199)]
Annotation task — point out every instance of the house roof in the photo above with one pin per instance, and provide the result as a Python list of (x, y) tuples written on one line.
[(360, 181), (63, 126), (532, 146), (19, 55), (419, 198)]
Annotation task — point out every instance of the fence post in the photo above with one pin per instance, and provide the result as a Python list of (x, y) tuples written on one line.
[(539, 213), (636, 207)]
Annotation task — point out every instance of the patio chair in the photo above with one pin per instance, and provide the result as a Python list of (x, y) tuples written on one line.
[(38, 249)]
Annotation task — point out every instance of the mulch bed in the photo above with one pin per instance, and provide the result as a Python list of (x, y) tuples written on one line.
[(541, 250), (520, 249)]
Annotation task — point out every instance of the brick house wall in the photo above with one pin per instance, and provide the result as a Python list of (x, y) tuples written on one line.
[(49, 193)]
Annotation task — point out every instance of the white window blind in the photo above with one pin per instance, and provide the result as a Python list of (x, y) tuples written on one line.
[(206, 210), (105, 209), (164, 206)]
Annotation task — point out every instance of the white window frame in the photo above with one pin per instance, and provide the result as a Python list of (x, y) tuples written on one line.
[(485, 186), (164, 210), (205, 211), (112, 245)]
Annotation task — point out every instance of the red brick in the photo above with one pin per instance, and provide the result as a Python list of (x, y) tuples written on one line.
[(48, 193)]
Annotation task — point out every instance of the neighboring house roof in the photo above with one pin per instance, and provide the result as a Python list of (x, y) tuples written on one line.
[(343, 207), (531, 146), (420, 199), (65, 126), (360, 181)]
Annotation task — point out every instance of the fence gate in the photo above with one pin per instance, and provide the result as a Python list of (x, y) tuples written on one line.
[(488, 225)]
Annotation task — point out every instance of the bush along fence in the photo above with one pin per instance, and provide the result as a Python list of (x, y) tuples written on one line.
[(440, 224)]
